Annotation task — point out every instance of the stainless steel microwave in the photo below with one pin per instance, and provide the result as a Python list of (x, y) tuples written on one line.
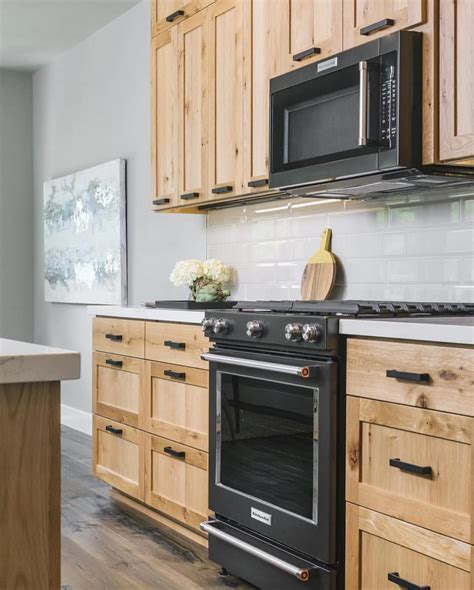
[(354, 114)]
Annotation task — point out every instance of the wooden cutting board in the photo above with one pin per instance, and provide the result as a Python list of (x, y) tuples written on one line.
[(319, 273)]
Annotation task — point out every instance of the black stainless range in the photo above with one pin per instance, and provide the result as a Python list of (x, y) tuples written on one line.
[(276, 444)]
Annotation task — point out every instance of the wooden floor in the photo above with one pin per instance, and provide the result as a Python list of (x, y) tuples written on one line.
[(105, 547)]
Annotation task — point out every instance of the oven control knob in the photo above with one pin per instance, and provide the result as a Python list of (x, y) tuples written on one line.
[(311, 333), (254, 329), (294, 332), (207, 326), (221, 327)]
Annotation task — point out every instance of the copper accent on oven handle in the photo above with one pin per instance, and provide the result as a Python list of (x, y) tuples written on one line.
[(303, 372), (301, 574)]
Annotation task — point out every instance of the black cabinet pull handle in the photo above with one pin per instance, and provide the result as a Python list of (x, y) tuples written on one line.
[(395, 579), (176, 345), (175, 374), (162, 201), (113, 363), (174, 15), (421, 377), (218, 190), (257, 183), (114, 337), (117, 431), (189, 196), (173, 453), (410, 467), (306, 53), (378, 26)]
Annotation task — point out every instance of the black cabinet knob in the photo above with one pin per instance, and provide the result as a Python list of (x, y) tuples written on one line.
[(404, 376), (395, 579), (173, 453), (114, 337), (306, 53), (113, 363), (218, 190), (189, 196), (162, 201), (175, 374), (174, 15), (410, 467), (175, 345), (257, 183), (378, 26), (112, 430)]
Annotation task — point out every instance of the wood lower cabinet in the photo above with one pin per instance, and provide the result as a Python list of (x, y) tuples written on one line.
[(118, 456), (409, 465), (150, 429), (456, 72), (176, 480), (369, 19), (119, 336), (382, 551)]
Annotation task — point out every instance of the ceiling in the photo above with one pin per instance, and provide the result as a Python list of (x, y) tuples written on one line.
[(34, 32)]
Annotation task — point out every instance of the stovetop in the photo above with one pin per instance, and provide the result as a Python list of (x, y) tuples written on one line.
[(358, 308)]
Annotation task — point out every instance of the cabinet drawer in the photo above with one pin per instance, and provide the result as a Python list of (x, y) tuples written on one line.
[(378, 546), (118, 456), (178, 403), (167, 13), (176, 480), (178, 344), (425, 375), (411, 463), (118, 387), (119, 336)]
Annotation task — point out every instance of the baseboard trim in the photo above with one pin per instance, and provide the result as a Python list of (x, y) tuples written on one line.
[(77, 419)]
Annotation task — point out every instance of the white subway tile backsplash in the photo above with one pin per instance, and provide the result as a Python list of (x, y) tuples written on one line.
[(417, 251)]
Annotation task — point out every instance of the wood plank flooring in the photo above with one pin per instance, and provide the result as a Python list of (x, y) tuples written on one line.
[(105, 546)]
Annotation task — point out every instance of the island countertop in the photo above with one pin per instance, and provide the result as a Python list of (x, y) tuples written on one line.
[(23, 362)]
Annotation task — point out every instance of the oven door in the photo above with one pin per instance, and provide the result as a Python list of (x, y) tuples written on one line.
[(273, 439)]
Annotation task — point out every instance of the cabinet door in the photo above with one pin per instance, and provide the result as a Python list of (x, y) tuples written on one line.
[(315, 30), (193, 107), (456, 57), (118, 456), (226, 103), (165, 119), (368, 19), (167, 13), (266, 27)]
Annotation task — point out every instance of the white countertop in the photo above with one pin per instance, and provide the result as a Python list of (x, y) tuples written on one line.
[(22, 362), (452, 329), (147, 313)]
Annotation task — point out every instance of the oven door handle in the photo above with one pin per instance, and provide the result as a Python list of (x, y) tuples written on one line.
[(300, 371), (363, 102), (301, 574)]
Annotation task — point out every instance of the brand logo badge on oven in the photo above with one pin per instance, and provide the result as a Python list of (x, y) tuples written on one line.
[(261, 516), (327, 65)]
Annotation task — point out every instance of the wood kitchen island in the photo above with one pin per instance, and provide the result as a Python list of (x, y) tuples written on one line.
[(30, 515)]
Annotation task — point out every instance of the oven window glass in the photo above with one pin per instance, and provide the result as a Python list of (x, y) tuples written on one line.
[(269, 442)]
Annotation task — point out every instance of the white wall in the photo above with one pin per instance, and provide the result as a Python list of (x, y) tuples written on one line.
[(16, 206), (93, 105), (401, 251)]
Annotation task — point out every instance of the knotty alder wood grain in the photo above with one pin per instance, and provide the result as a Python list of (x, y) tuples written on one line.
[(442, 502), (118, 392), (118, 459), (189, 335), (176, 486), (178, 409), (29, 486), (131, 333), (451, 370)]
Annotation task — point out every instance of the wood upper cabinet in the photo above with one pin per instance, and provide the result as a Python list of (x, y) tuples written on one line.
[(315, 30), (456, 57), (265, 56), (368, 19), (167, 13), (193, 108), (164, 119), (226, 103)]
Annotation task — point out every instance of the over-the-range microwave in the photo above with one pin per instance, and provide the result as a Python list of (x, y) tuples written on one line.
[(355, 114)]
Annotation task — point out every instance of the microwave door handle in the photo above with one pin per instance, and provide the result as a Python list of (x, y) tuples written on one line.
[(363, 102)]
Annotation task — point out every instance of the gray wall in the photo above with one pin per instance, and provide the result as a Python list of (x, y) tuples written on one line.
[(16, 206), (92, 105)]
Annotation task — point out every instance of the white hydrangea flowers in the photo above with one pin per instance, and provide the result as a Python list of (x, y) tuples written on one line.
[(186, 272)]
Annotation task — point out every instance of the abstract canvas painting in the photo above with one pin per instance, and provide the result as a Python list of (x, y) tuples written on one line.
[(85, 238)]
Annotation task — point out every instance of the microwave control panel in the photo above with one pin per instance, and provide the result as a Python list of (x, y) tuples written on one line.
[(388, 128)]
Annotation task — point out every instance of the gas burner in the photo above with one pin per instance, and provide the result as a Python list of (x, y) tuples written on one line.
[(357, 308)]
